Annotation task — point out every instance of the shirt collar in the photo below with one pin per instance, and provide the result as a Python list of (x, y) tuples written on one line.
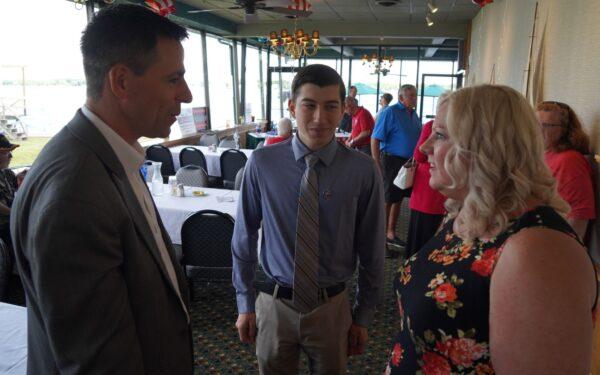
[(131, 156), (325, 154)]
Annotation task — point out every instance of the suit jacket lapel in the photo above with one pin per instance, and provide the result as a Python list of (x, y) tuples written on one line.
[(87, 132)]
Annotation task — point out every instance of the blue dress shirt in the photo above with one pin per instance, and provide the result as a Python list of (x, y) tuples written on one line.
[(351, 221), (397, 130)]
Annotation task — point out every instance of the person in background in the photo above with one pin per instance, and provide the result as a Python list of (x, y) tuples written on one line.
[(320, 206), (346, 122), (352, 92), (362, 126), (284, 131), (426, 204), (505, 286), (105, 293), (566, 143), (392, 143), (384, 102), (9, 183)]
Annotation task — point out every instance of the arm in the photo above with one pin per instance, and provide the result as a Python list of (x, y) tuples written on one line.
[(541, 297), (375, 154), (579, 226), (75, 259), (419, 156), (4, 209), (369, 242), (244, 253)]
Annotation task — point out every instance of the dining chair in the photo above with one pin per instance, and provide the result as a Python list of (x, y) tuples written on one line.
[(206, 246), (162, 154), (232, 161), (192, 175), (227, 142), (193, 156), (208, 139)]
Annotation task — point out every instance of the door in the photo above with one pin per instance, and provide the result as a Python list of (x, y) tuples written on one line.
[(432, 86)]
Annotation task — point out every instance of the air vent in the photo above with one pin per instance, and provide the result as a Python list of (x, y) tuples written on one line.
[(387, 3)]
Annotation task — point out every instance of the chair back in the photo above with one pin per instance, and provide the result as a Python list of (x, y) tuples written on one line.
[(193, 156), (209, 138), (206, 243), (227, 142), (192, 175), (162, 154), (238, 179), (231, 162), (5, 269)]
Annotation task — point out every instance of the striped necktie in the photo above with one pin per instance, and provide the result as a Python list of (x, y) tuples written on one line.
[(306, 259)]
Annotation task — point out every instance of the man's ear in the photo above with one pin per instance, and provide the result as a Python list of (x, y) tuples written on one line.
[(292, 108), (119, 80)]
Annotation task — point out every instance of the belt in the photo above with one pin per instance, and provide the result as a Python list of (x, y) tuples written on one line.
[(287, 293)]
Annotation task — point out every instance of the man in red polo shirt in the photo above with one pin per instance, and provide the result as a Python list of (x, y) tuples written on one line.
[(362, 126)]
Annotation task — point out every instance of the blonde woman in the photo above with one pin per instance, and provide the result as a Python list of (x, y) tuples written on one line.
[(506, 280)]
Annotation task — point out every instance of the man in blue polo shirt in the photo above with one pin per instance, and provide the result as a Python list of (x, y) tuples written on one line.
[(392, 143)]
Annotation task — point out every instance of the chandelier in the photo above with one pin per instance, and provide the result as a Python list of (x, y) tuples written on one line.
[(296, 45), (379, 64)]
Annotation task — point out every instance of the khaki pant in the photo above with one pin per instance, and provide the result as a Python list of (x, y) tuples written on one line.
[(283, 332)]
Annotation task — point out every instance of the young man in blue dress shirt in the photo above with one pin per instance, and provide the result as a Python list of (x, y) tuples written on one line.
[(349, 229)]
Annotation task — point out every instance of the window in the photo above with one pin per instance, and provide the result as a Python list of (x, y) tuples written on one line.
[(194, 75), (41, 74), (220, 82), (254, 86)]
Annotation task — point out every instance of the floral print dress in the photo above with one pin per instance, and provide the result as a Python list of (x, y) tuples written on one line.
[(443, 299)]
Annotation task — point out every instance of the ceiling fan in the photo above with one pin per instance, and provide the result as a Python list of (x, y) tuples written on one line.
[(251, 6)]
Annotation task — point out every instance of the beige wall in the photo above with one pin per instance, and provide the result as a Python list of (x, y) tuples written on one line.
[(500, 43)]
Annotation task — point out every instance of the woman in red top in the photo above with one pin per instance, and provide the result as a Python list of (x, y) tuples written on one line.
[(565, 144), (426, 205)]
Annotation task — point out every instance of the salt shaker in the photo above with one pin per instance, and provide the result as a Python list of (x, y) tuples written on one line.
[(173, 185)]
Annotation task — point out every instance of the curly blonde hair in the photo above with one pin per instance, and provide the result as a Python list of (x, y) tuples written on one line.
[(498, 156)]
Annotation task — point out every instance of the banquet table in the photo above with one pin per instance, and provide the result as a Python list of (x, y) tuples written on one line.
[(13, 339), (254, 138), (213, 159), (174, 210)]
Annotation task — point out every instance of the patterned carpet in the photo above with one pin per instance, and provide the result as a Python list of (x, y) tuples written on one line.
[(218, 350)]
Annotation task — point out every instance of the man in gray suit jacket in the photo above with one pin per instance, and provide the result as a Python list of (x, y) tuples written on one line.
[(104, 291)]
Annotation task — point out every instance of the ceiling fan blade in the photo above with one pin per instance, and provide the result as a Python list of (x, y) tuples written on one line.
[(212, 10), (289, 12)]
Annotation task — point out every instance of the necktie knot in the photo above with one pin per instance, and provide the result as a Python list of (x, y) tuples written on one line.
[(311, 160)]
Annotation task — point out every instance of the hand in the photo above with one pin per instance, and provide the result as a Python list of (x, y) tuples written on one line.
[(20, 176), (349, 142), (246, 326), (357, 339)]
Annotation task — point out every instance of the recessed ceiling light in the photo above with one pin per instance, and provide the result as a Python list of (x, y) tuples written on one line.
[(429, 20), (432, 7)]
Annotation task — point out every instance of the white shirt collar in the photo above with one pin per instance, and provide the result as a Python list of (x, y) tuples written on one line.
[(131, 157)]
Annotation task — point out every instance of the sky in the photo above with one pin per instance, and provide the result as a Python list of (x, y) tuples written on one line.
[(44, 36)]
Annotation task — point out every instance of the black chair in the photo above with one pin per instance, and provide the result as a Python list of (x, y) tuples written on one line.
[(231, 162), (5, 269), (206, 245), (162, 154), (193, 156)]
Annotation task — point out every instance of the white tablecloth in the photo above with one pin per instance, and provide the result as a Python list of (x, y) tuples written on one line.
[(13, 339), (174, 210), (213, 161)]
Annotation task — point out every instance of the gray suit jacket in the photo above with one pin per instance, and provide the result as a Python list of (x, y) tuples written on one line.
[(99, 299)]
